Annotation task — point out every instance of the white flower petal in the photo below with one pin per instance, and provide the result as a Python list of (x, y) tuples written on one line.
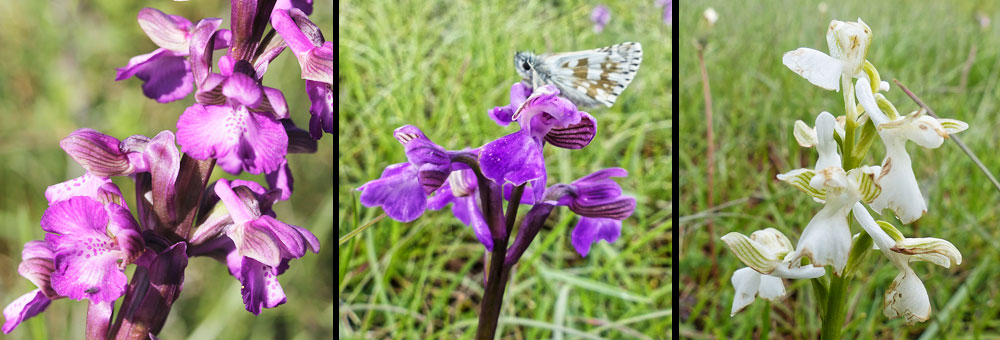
[(746, 281), (907, 298), (771, 288), (826, 240), (926, 132), (825, 144), (817, 67), (773, 240), (807, 272), (804, 135), (880, 238), (865, 97), (900, 192), (829, 179), (849, 41)]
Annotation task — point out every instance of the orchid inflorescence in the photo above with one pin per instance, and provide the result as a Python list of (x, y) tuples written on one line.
[(843, 186), (476, 181), (92, 234)]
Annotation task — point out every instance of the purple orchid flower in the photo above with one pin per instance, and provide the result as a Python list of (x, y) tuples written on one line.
[(165, 72), (262, 245), (37, 266), (517, 158), (600, 17), (599, 202), (236, 119), (403, 188), (595, 197), (461, 190), (260, 236), (241, 140), (92, 242), (316, 61)]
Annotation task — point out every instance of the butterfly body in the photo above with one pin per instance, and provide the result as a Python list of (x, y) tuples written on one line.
[(587, 78)]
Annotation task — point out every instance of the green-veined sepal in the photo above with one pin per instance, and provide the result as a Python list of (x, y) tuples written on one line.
[(800, 179), (934, 250), (864, 177)]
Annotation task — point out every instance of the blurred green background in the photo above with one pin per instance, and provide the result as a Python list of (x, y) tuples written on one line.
[(57, 70), (947, 52), (441, 65)]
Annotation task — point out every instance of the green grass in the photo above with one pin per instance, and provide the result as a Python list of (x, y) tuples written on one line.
[(756, 99), (57, 69), (440, 65)]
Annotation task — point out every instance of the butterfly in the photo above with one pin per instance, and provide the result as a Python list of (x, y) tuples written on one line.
[(587, 78)]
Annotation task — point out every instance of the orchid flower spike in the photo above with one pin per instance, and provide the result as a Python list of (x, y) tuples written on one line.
[(900, 191), (906, 296), (764, 252), (826, 240)]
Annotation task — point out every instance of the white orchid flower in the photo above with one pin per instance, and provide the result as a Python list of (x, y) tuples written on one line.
[(826, 240), (906, 296), (848, 43), (764, 253), (900, 192)]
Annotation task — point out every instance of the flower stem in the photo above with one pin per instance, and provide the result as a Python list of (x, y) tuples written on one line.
[(360, 229), (835, 311), (496, 282), (710, 156)]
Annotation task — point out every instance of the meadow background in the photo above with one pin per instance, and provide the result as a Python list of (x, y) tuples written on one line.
[(928, 46), (441, 65), (57, 70)]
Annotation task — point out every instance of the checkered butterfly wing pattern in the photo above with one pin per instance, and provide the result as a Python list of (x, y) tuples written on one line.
[(587, 78)]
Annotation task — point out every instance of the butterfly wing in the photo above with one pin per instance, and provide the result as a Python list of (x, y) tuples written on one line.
[(593, 77)]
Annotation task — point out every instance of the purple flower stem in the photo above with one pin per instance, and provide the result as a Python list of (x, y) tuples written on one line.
[(499, 272), (530, 225), (500, 229), (191, 182)]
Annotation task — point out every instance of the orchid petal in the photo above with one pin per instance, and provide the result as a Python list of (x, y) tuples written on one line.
[(591, 230), (514, 158), (23, 308), (398, 192), (746, 281), (167, 31), (907, 297), (817, 67)]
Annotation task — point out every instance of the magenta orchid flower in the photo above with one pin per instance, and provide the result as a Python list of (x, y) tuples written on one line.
[(264, 244), (93, 243), (166, 72), (315, 57)]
